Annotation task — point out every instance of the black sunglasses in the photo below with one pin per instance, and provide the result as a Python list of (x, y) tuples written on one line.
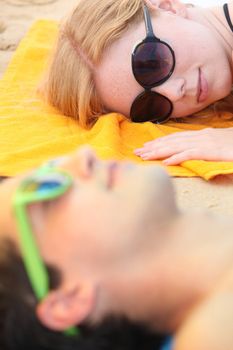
[(153, 62)]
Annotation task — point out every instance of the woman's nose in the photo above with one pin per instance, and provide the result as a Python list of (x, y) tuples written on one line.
[(173, 88)]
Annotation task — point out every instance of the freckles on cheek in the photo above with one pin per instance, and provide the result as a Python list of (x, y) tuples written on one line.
[(117, 87), (119, 97)]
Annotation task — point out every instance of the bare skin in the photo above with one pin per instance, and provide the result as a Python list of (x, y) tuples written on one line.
[(206, 47), (189, 145), (123, 247)]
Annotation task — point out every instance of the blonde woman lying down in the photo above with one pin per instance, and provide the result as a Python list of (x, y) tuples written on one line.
[(153, 60)]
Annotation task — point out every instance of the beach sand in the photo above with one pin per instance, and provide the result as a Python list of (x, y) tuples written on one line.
[(16, 16)]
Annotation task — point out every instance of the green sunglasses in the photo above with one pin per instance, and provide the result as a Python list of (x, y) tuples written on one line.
[(46, 184)]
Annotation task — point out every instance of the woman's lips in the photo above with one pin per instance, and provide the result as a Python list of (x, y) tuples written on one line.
[(203, 87)]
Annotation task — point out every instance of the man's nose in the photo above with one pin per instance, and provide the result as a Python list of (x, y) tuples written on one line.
[(81, 163), (173, 88)]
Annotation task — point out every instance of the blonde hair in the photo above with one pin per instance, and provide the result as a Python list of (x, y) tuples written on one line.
[(83, 37)]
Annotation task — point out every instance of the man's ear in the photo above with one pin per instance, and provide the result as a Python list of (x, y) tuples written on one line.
[(67, 306), (174, 6)]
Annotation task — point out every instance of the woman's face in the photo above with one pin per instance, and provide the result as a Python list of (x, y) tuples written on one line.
[(199, 53)]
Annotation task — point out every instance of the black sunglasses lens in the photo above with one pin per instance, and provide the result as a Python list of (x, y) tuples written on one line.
[(151, 106), (152, 62)]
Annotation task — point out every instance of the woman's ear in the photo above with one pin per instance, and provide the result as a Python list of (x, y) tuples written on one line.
[(174, 6), (66, 307)]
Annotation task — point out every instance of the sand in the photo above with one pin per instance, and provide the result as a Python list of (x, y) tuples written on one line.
[(16, 16)]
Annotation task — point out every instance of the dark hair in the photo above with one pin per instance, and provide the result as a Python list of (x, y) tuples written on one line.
[(21, 330)]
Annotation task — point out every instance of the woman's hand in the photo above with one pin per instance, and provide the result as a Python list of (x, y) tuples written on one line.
[(207, 144)]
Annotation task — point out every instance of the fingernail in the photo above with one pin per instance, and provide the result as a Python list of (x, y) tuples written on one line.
[(137, 152), (145, 156)]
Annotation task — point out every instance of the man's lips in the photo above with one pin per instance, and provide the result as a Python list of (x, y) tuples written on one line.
[(203, 88), (116, 172)]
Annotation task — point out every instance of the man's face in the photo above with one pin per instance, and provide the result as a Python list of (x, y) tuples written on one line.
[(106, 215), (107, 227)]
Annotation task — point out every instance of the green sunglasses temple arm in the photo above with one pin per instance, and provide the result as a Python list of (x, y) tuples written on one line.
[(33, 263)]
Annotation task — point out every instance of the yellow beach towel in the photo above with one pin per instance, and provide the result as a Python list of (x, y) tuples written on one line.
[(31, 132)]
